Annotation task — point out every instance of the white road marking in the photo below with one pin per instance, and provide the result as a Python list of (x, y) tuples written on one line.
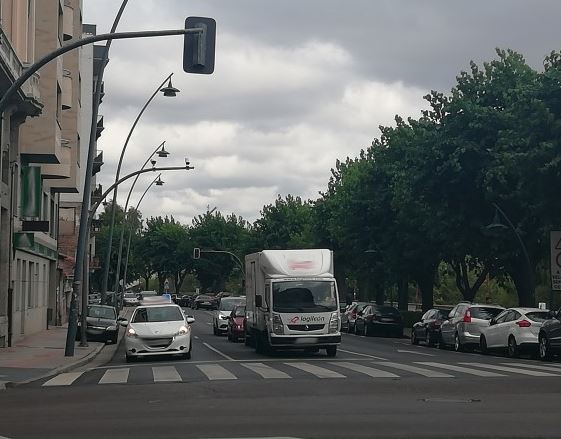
[(63, 379), (418, 370), (216, 372), (513, 370), (370, 371), (320, 372), (532, 366), (218, 352), (115, 376), (468, 370), (404, 351), (165, 374), (196, 337), (265, 371), (362, 355)]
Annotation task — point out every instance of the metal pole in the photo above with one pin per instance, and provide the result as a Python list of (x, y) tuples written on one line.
[(85, 277), (83, 232), (131, 232), (524, 251), (121, 239), (105, 279)]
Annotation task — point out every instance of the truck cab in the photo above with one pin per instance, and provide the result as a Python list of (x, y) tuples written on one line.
[(292, 301)]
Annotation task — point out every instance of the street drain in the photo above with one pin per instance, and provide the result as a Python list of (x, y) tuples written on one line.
[(450, 401)]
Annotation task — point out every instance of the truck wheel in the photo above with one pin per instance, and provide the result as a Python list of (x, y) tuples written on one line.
[(331, 351)]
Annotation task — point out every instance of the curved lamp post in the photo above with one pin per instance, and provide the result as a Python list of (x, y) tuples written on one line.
[(158, 181), (160, 151), (168, 91), (497, 225)]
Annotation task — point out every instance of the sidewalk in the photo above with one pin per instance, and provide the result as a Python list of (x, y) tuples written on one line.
[(41, 355)]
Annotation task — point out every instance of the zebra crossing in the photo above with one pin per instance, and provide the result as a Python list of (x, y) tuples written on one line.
[(275, 370)]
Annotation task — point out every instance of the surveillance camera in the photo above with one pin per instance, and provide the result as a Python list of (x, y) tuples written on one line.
[(187, 162), (153, 162)]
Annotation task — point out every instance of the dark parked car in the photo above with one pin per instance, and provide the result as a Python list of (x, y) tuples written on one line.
[(205, 301), (344, 317), (351, 314), (236, 323), (185, 301), (428, 329), (550, 337), (385, 320), (102, 323)]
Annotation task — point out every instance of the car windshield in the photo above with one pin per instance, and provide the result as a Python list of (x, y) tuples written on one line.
[(239, 312), (101, 312), (304, 296), (484, 313), (157, 314), (538, 316), (229, 304)]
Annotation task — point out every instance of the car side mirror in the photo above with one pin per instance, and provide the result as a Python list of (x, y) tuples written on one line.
[(123, 322), (190, 320), (450, 315), (121, 319), (259, 301), (492, 322)]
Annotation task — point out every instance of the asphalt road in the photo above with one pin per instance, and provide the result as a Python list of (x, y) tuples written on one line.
[(376, 387)]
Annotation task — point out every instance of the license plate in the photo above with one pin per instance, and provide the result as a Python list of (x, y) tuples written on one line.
[(387, 320), (206, 303), (306, 340)]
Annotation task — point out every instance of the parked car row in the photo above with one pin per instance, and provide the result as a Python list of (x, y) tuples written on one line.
[(366, 318), (491, 328)]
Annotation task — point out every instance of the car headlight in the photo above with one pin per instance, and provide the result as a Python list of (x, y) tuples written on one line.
[(131, 332), (183, 330), (334, 322), (222, 317), (111, 328), (278, 327)]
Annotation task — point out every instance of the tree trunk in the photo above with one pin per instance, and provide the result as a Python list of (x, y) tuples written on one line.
[(403, 294), (147, 282), (364, 288), (426, 285), (341, 284), (161, 282), (523, 280)]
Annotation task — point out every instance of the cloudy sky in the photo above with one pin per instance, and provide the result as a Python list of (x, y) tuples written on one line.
[(297, 84)]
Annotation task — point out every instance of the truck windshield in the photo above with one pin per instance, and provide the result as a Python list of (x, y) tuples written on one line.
[(304, 296)]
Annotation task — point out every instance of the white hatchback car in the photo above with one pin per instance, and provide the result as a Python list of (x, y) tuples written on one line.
[(221, 315), (161, 329), (514, 330)]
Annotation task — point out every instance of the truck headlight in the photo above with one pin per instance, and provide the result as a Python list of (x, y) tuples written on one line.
[(334, 322), (278, 327)]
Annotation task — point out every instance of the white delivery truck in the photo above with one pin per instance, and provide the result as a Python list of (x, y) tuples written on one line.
[(292, 301)]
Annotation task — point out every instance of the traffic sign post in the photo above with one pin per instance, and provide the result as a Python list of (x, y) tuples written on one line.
[(555, 247)]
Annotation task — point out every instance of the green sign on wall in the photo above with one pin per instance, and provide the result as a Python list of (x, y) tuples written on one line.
[(31, 191)]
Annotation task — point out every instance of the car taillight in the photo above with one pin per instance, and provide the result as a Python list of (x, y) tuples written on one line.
[(524, 324), (467, 316)]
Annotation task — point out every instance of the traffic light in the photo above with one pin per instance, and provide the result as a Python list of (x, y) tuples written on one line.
[(198, 48), (196, 253)]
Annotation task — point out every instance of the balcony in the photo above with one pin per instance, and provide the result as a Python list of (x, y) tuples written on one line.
[(100, 127), (68, 23), (98, 162), (96, 194)]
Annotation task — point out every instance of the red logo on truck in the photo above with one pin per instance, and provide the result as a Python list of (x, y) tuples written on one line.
[(301, 265), (294, 319)]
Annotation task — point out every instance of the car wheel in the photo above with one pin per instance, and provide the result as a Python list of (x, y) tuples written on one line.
[(356, 329), (414, 339), (441, 343), (458, 347), (483, 345), (544, 348), (428, 339), (512, 348), (331, 351)]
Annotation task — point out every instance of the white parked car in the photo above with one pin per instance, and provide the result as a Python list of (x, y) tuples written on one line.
[(130, 299), (220, 317), (514, 330), (158, 330)]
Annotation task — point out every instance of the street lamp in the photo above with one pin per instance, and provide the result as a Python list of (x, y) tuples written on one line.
[(158, 181), (168, 91), (161, 152), (497, 225)]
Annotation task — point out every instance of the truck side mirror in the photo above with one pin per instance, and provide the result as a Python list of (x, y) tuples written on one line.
[(258, 301)]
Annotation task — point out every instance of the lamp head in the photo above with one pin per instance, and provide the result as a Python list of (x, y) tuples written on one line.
[(169, 90)]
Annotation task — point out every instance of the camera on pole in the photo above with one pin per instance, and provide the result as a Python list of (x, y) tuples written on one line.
[(198, 49)]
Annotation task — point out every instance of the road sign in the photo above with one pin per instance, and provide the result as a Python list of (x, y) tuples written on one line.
[(555, 248)]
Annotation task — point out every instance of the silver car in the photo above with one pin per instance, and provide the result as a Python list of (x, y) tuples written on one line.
[(514, 330), (158, 330), (465, 323), (220, 317)]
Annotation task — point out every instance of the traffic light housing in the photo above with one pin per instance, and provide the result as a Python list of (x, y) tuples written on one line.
[(198, 48)]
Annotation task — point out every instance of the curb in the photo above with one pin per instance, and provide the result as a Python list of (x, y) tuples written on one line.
[(56, 371)]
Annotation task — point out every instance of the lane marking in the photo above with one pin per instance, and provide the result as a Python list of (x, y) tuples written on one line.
[(165, 374), (320, 372), (480, 373), (362, 355), (370, 371), (63, 379), (196, 337), (266, 371), (404, 351), (418, 370), (532, 366), (216, 372), (513, 370), (218, 352), (115, 376)]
